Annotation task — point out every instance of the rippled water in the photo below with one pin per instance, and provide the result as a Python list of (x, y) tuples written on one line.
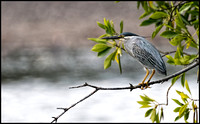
[(34, 85)]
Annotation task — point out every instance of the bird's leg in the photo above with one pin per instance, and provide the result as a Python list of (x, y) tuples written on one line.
[(153, 72), (142, 84)]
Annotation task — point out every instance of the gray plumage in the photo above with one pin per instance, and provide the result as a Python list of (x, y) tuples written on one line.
[(139, 48)]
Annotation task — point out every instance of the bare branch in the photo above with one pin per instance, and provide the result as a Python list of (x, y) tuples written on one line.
[(131, 87), (105, 88), (167, 96), (166, 53), (177, 73), (66, 109)]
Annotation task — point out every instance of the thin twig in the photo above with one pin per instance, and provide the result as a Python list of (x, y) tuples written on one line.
[(131, 87), (166, 53), (167, 96), (66, 109)]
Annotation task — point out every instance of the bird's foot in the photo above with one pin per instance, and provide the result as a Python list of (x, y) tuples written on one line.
[(147, 85), (144, 85)]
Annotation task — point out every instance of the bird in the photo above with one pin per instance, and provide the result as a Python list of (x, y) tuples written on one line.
[(144, 52)]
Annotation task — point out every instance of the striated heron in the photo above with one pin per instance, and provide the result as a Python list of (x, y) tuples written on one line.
[(143, 51)]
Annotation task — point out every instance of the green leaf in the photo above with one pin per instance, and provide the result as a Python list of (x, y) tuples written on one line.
[(145, 14), (109, 27), (179, 21), (191, 43), (145, 106), (153, 115), (148, 22), (185, 7), (177, 61), (176, 40), (179, 53), (177, 102), (121, 26), (160, 3), (157, 30), (138, 4), (104, 35), (183, 95), (112, 27), (186, 115), (177, 117), (116, 55), (175, 79), (105, 22), (168, 34), (185, 20), (148, 112), (158, 15), (170, 59), (165, 5), (145, 6), (182, 110), (98, 40), (152, 5), (119, 61), (183, 79), (188, 43), (104, 52), (107, 62), (157, 118), (187, 86), (143, 102), (177, 109), (101, 25), (100, 47), (146, 98), (193, 106), (179, 92), (186, 59), (170, 25), (184, 100)]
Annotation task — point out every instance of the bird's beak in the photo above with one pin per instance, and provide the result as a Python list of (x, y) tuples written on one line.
[(113, 37)]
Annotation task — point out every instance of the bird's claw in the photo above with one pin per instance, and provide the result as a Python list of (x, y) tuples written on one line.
[(144, 85)]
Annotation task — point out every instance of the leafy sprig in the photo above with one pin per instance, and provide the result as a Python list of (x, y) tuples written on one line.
[(103, 46)]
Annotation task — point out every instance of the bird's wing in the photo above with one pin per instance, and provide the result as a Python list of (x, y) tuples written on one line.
[(147, 54)]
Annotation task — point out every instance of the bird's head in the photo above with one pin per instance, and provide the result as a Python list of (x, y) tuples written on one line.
[(123, 35)]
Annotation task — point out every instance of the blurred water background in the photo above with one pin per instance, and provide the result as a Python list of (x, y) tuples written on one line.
[(45, 51)]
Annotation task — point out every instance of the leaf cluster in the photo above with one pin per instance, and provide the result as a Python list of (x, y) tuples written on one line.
[(187, 105), (103, 46), (176, 17), (184, 107), (155, 113)]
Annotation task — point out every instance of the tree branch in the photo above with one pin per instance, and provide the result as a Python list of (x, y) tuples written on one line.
[(131, 87), (167, 96), (66, 109), (166, 53)]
